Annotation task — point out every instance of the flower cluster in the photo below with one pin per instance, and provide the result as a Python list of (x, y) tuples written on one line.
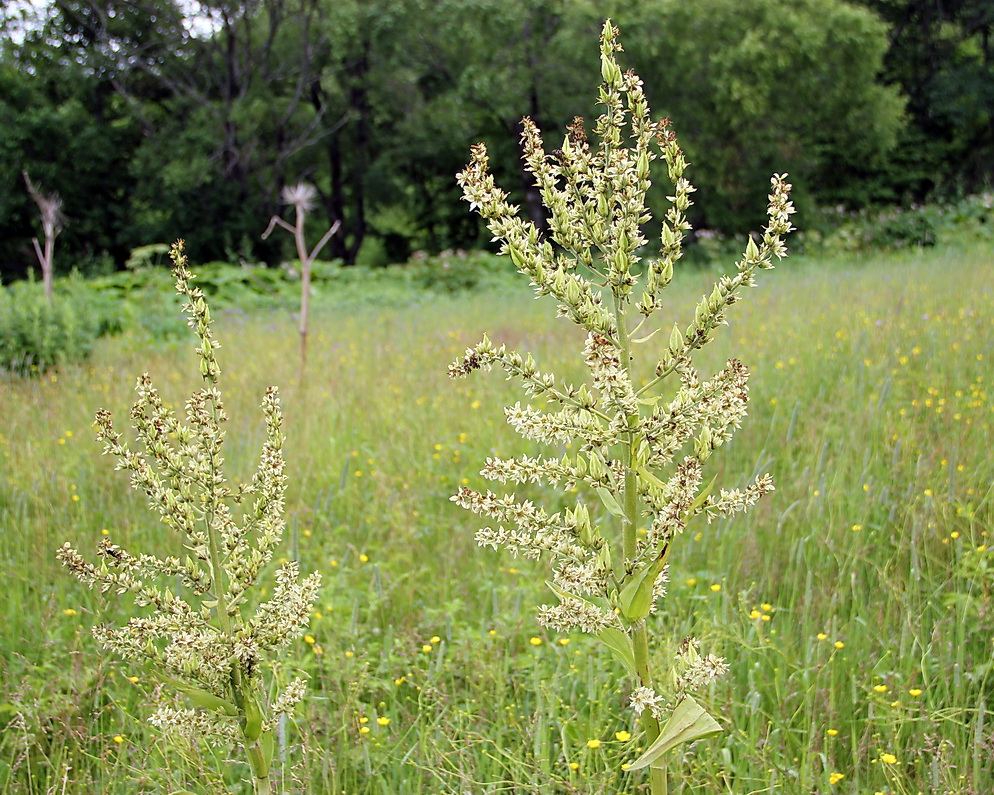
[(693, 671), (636, 456), (197, 635)]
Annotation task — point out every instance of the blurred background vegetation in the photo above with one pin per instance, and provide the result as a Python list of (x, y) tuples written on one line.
[(159, 119)]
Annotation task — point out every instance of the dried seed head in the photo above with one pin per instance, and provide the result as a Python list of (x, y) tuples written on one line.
[(302, 196)]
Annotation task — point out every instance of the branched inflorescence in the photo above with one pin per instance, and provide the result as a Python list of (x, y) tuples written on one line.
[(637, 458), (197, 633)]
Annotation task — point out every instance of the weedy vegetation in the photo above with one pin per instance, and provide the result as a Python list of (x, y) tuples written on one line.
[(639, 453), (854, 604), (197, 636)]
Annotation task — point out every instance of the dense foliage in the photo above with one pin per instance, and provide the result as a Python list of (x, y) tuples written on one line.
[(36, 334), (140, 301), (157, 119)]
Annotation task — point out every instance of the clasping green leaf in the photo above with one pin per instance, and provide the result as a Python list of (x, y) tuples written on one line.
[(253, 719), (621, 646), (636, 597), (202, 698), (611, 503), (689, 722), (702, 496)]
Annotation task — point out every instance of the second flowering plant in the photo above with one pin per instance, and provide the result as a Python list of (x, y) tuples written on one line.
[(637, 455), (200, 636)]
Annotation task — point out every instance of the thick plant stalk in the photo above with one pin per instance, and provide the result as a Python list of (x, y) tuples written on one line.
[(640, 632)]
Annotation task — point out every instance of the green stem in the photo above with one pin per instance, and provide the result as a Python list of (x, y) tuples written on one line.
[(630, 496), (260, 770), (640, 644), (640, 633), (253, 749), (661, 377)]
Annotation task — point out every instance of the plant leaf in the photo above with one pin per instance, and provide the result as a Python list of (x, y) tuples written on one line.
[(636, 597), (703, 495), (646, 338), (688, 722), (564, 595), (621, 646), (201, 697), (267, 747), (209, 701), (611, 503), (253, 719), (648, 476)]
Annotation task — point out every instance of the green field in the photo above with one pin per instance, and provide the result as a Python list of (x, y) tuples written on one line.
[(855, 604)]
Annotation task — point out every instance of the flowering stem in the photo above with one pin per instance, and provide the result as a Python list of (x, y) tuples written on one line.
[(658, 379), (253, 748), (640, 633)]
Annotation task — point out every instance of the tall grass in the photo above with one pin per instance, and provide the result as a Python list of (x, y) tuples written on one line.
[(865, 578)]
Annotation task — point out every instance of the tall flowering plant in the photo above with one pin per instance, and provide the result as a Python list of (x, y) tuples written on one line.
[(200, 636), (636, 455)]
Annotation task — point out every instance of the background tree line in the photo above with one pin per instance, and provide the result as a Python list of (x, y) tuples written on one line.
[(155, 119)]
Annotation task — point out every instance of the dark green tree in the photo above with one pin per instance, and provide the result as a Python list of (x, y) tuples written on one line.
[(768, 86), (61, 120), (941, 54)]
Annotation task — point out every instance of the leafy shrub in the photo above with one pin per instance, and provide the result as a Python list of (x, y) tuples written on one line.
[(454, 271), (142, 299), (36, 335), (917, 226)]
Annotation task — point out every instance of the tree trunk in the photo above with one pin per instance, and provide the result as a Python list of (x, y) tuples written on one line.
[(359, 102)]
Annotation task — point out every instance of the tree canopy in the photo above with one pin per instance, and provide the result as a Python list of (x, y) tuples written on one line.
[(155, 119)]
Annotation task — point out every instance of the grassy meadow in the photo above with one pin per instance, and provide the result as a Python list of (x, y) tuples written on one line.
[(855, 604)]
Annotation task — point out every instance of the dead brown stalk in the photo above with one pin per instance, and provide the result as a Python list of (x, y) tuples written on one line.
[(301, 196), (50, 209)]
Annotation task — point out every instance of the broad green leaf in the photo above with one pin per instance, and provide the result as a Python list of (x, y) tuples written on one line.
[(703, 495), (621, 645), (209, 701), (689, 722), (611, 503), (201, 697), (253, 719), (636, 597), (267, 747)]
